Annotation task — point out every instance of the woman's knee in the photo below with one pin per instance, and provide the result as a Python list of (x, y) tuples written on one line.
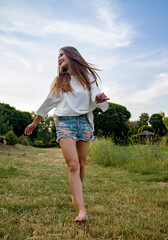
[(82, 163), (82, 167), (73, 166)]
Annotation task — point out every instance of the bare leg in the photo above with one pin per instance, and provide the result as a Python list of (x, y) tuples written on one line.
[(68, 146), (82, 150)]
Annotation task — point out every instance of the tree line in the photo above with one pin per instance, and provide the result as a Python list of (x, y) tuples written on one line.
[(114, 123)]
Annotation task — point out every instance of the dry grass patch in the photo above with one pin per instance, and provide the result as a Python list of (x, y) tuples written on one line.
[(35, 200)]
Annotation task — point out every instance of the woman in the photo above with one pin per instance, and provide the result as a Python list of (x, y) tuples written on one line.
[(74, 94)]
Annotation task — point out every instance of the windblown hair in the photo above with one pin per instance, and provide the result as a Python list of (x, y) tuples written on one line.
[(80, 68)]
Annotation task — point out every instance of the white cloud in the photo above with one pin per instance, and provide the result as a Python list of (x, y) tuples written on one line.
[(108, 13), (157, 88), (13, 59), (161, 64), (14, 41), (110, 31), (138, 101), (31, 37)]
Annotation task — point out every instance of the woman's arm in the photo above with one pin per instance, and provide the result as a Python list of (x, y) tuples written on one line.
[(29, 129), (98, 99), (50, 102)]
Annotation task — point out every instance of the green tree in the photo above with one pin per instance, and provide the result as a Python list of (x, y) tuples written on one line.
[(145, 128), (46, 129), (133, 126), (112, 122), (4, 123), (158, 124), (15, 119), (165, 119), (144, 118)]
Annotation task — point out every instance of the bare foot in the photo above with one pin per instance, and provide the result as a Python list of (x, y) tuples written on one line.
[(72, 199), (82, 217)]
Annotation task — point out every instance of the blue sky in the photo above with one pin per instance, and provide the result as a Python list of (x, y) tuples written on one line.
[(128, 40)]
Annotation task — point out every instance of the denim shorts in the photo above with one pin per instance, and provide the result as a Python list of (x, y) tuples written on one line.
[(76, 127)]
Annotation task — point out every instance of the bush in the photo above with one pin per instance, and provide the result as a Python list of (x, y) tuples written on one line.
[(157, 138), (145, 128), (11, 138), (100, 133), (1, 139), (40, 144), (166, 140), (134, 139), (48, 145), (37, 142), (52, 141), (24, 140)]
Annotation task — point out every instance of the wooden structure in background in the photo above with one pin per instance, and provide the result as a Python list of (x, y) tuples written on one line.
[(146, 133)]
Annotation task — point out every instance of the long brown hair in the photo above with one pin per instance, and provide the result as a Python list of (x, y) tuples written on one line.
[(80, 68)]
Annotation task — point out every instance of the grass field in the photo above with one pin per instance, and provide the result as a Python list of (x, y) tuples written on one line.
[(35, 199)]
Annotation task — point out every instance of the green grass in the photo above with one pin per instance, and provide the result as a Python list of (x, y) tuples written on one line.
[(144, 159), (121, 204)]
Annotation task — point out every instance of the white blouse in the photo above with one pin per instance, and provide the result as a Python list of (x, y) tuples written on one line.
[(78, 102)]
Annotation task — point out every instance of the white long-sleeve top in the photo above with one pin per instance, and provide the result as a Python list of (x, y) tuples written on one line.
[(78, 102)]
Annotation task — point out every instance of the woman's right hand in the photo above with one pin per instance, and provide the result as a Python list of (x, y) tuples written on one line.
[(101, 97), (29, 129)]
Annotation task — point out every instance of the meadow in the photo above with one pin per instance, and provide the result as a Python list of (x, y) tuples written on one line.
[(125, 191)]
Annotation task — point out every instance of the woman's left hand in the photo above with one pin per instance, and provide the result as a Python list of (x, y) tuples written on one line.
[(101, 97)]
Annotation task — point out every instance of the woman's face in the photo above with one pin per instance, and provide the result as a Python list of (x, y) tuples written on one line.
[(63, 60)]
